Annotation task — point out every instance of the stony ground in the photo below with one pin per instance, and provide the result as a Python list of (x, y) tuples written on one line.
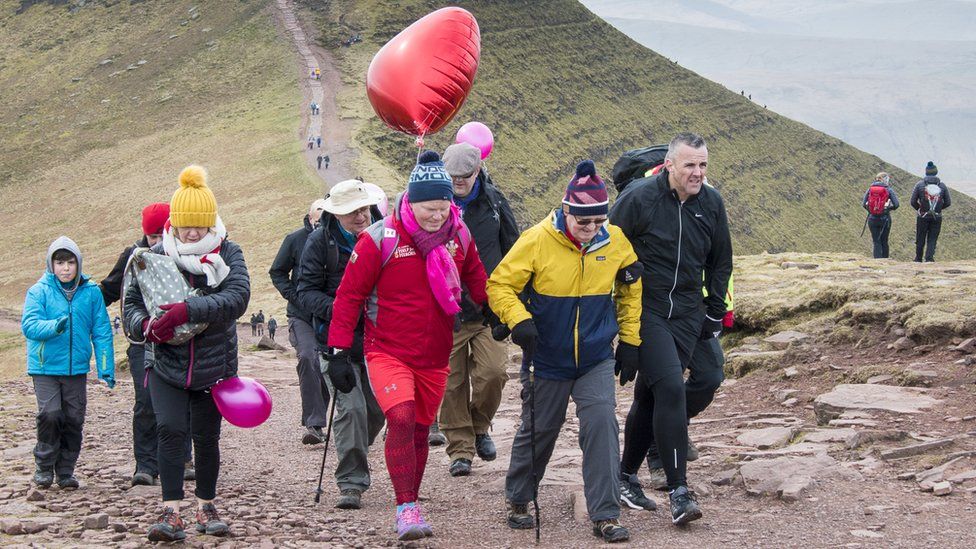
[(769, 474)]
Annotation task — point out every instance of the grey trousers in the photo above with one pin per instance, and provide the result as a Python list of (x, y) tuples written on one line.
[(598, 438), (315, 395), (61, 404), (358, 420)]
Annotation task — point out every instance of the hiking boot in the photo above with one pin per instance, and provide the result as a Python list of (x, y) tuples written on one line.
[(692, 451), (209, 523), (408, 525), (313, 435), (189, 473), (460, 467), (485, 447), (350, 498), (169, 527), (684, 506), (610, 530), (659, 479), (68, 482), (428, 531), (43, 479), (142, 479), (435, 437), (632, 494), (519, 517)]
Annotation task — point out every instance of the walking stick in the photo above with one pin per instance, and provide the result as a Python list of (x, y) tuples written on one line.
[(535, 477), (865, 224), (328, 435)]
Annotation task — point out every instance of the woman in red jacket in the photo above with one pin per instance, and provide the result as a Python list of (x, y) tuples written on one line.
[(405, 277)]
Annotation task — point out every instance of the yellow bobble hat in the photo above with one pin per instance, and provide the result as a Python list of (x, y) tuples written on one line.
[(193, 204)]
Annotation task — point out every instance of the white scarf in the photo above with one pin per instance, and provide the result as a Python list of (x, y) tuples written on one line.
[(199, 257)]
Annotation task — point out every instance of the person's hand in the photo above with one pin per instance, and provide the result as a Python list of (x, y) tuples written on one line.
[(489, 317), (728, 320), (711, 328), (628, 362), (61, 325), (526, 336), (175, 315), (152, 334), (109, 379), (341, 372)]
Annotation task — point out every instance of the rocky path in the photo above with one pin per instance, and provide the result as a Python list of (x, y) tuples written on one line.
[(787, 460)]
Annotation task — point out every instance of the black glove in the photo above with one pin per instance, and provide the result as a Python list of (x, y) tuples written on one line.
[(340, 371), (525, 336), (711, 328), (628, 361)]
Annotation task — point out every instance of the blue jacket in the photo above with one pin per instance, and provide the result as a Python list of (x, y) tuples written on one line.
[(69, 352)]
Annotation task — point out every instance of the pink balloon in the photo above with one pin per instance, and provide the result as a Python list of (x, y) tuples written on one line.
[(243, 401), (477, 134)]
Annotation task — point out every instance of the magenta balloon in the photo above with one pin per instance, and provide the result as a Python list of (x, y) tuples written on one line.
[(477, 134), (243, 401)]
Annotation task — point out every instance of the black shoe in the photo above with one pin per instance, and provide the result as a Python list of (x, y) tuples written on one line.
[(519, 517), (350, 498), (692, 451), (313, 435), (209, 523), (460, 467), (68, 482), (43, 479), (169, 527), (189, 473), (684, 506), (435, 437), (610, 530), (632, 495), (485, 447), (142, 479)]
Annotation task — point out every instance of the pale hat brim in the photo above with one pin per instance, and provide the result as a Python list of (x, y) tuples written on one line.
[(350, 195)]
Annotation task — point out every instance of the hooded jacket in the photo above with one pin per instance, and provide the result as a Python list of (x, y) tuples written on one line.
[(921, 204), (574, 296), (212, 355), (285, 269), (69, 352)]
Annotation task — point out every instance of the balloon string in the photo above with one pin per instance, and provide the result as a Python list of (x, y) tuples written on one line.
[(420, 146)]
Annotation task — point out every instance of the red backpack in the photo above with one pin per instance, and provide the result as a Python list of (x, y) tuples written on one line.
[(877, 199)]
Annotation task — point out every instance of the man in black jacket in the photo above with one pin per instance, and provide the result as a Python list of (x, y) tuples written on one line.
[(474, 386), (679, 229), (349, 210), (284, 275), (929, 197)]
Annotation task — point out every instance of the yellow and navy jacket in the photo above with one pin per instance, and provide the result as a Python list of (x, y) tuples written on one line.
[(579, 299)]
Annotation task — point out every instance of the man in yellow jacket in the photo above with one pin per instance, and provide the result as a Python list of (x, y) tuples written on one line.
[(580, 285)]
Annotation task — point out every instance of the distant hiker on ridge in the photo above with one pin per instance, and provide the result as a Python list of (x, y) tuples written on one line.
[(260, 319), (929, 197), (879, 201), (318, 159), (272, 327)]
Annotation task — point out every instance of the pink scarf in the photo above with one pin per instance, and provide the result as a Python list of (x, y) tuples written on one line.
[(442, 273)]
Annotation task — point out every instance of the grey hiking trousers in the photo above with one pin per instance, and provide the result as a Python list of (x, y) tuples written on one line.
[(61, 404), (598, 438)]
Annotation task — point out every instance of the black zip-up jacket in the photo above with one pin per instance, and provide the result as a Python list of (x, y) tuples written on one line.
[(212, 354), (921, 205), (493, 227), (111, 285), (322, 267), (284, 270), (677, 244)]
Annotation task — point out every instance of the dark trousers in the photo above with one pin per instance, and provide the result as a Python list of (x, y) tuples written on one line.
[(927, 231), (311, 385), (271, 333), (880, 228), (61, 404), (171, 405), (144, 437), (705, 375)]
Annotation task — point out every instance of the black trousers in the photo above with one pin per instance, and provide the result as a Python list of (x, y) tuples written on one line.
[(144, 437), (61, 405), (880, 227), (173, 426), (927, 231)]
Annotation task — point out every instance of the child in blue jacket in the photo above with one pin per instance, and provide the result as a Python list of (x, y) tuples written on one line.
[(64, 320)]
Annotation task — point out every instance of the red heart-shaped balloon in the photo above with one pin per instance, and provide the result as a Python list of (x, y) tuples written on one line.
[(418, 80)]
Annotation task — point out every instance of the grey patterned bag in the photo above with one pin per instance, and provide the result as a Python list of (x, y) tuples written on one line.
[(161, 283)]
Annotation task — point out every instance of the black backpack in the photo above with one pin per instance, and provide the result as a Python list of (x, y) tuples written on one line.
[(634, 163)]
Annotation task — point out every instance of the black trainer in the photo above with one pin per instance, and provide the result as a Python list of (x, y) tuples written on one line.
[(313, 435), (435, 437), (684, 506), (632, 495), (350, 498), (208, 521), (485, 447), (43, 479), (68, 482), (519, 517), (460, 467), (141, 478), (610, 530), (189, 473)]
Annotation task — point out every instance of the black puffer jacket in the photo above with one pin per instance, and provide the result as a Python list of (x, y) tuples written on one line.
[(284, 269), (212, 354), (111, 285), (677, 244)]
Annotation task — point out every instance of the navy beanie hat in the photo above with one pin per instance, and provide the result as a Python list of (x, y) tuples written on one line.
[(586, 193), (429, 180), (930, 169)]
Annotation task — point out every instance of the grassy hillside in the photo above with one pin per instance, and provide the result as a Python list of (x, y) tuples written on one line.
[(557, 84)]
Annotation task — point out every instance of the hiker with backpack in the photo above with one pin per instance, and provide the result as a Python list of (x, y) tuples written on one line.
[(284, 274), (581, 280), (405, 277), (679, 229), (65, 325), (929, 198), (183, 373), (880, 201), (350, 208), (474, 386)]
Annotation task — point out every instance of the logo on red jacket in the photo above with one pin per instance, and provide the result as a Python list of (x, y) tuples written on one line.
[(404, 251), (452, 248)]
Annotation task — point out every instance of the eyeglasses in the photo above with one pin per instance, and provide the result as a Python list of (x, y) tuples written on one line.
[(586, 222), (462, 177)]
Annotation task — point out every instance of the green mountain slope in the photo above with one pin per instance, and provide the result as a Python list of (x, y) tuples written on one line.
[(557, 84)]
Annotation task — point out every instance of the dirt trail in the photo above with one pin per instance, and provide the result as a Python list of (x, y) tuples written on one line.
[(334, 131)]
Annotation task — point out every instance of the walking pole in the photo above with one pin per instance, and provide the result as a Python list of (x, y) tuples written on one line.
[(865, 224), (328, 435), (535, 477)]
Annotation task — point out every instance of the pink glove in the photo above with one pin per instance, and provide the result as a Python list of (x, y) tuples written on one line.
[(176, 315), (728, 320), (148, 325)]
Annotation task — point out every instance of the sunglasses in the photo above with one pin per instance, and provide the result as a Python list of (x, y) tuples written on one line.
[(594, 221), (462, 177)]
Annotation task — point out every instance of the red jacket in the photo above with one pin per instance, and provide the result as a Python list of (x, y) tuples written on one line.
[(403, 319)]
